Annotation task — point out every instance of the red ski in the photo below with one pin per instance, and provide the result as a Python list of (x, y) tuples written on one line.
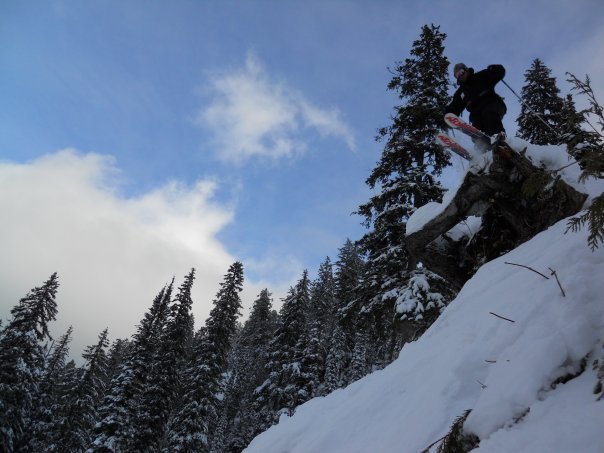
[(456, 122), (449, 143), (498, 145)]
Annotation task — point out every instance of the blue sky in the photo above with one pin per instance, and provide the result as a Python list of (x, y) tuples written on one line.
[(141, 138)]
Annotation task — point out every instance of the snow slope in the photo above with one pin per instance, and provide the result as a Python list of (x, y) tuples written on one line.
[(412, 403)]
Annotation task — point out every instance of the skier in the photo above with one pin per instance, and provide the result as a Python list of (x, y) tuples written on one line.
[(476, 93)]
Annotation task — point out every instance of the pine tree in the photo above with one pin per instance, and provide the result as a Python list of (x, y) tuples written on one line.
[(119, 410), (571, 120), (541, 118), (164, 384), (279, 394), (359, 366), (118, 353), (76, 430), (321, 322), (222, 323), (405, 178), (247, 370), (56, 361), (257, 331), (22, 362), (48, 413), (192, 426), (299, 387), (336, 361), (323, 301), (311, 357), (349, 273), (229, 433), (421, 302)]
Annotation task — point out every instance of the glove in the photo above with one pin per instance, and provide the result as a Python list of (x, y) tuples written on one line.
[(497, 69)]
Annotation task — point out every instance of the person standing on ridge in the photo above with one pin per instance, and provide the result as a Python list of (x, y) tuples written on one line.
[(476, 93)]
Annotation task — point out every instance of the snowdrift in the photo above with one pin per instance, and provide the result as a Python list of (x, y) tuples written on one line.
[(529, 379)]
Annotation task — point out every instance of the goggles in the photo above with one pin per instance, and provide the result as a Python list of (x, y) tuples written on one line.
[(459, 73)]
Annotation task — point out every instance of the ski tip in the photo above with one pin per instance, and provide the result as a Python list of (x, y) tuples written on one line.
[(454, 121), (448, 143)]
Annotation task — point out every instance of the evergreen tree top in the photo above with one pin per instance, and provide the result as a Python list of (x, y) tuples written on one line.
[(36, 309), (542, 116)]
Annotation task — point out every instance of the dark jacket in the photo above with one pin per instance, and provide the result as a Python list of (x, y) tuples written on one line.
[(478, 91)]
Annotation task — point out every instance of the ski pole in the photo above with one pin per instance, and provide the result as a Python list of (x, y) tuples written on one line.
[(531, 110)]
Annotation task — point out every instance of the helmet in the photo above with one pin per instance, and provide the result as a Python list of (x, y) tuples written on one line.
[(459, 67)]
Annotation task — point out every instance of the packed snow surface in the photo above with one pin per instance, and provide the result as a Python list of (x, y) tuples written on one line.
[(506, 371)]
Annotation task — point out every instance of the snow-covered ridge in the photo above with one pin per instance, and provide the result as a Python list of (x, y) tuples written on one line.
[(504, 370)]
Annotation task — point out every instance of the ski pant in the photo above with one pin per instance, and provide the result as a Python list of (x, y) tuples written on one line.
[(488, 120)]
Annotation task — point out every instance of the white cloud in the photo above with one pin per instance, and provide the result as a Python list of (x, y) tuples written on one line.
[(62, 212), (251, 116), (327, 122)]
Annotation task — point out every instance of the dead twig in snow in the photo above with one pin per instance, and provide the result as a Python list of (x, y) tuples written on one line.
[(529, 268), (562, 168), (559, 285), (502, 317), (481, 384)]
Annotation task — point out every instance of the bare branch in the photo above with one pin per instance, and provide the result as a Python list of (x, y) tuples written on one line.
[(529, 268), (566, 166), (502, 317)]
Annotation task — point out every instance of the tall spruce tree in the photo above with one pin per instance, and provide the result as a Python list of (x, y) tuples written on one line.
[(279, 394), (119, 351), (247, 370), (191, 429), (359, 363), (348, 276), (336, 361), (22, 362), (48, 407), (115, 430), (163, 388), (321, 321), (323, 302), (541, 97), (572, 120), (258, 329), (311, 357), (350, 268), (405, 178), (76, 429)]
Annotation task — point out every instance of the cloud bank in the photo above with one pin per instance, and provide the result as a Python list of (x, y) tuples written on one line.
[(63, 212), (251, 116)]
